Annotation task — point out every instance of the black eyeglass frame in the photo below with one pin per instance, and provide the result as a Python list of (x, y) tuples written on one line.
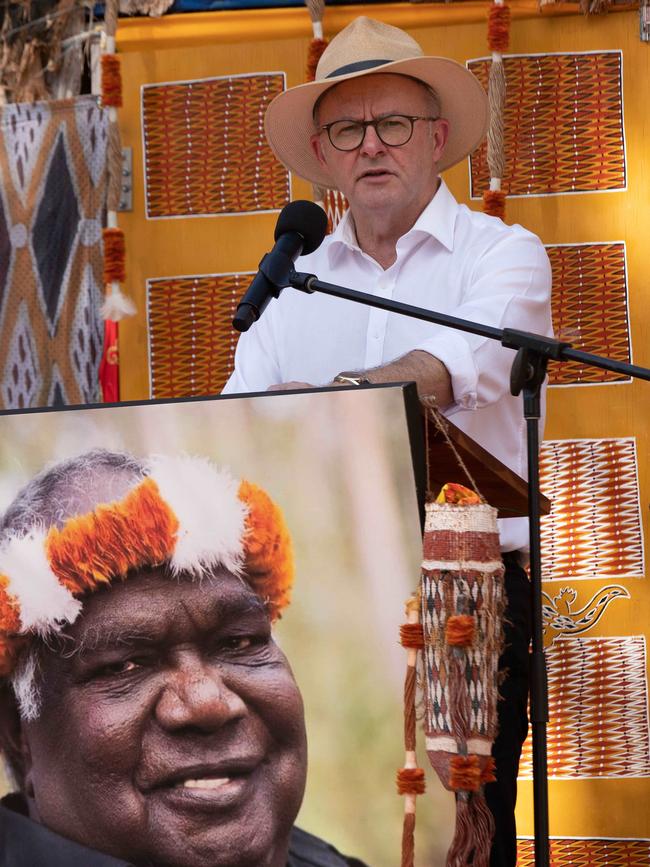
[(364, 124)]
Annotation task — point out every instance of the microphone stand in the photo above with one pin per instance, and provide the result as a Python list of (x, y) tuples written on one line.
[(533, 352)]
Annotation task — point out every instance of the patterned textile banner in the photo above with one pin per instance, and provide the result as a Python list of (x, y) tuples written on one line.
[(594, 528), (205, 150), (191, 340), (52, 192), (588, 852), (563, 124), (590, 308), (598, 709)]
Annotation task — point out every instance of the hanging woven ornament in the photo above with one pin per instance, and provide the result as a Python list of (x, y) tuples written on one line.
[(410, 778), (333, 202), (116, 305), (494, 199), (462, 600)]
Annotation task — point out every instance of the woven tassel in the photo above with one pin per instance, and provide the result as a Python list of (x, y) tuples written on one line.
[(111, 81), (114, 256), (499, 27), (494, 200), (494, 203), (460, 630), (316, 48)]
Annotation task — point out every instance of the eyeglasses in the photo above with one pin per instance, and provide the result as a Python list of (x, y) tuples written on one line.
[(394, 130)]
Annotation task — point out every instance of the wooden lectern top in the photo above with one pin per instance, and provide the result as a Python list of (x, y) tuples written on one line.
[(502, 488)]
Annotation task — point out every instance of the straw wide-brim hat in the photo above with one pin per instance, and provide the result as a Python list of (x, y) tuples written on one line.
[(362, 48)]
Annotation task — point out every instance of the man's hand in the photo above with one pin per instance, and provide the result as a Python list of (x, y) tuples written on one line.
[(289, 386)]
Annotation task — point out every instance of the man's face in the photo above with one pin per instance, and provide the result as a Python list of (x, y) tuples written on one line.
[(375, 177), (174, 735)]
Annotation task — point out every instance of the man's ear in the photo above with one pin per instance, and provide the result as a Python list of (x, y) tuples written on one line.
[(316, 146), (440, 136)]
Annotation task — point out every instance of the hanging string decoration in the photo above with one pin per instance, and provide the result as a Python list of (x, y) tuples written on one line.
[(117, 305), (332, 201), (494, 199), (410, 778), (462, 600)]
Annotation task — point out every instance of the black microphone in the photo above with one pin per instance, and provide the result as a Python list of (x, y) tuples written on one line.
[(300, 229)]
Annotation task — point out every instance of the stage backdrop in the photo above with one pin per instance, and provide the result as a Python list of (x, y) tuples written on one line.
[(206, 196)]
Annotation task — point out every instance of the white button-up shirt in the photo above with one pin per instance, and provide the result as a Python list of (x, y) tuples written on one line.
[(453, 260)]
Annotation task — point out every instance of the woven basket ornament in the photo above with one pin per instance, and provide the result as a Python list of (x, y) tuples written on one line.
[(462, 600)]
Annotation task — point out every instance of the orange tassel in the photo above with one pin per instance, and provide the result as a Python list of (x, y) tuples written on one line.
[(411, 635), (114, 256), (410, 781), (488, 774), (494, 203), (460, 630), (316, 48), (465, 774), (499, 27), (111, 81)]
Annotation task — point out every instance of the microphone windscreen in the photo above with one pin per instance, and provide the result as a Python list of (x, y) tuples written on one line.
[(307, 219)]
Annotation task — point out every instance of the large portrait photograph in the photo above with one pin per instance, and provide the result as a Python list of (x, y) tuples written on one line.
[(200, 655)]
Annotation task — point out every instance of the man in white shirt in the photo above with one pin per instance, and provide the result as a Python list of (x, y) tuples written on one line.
[(379, 123)]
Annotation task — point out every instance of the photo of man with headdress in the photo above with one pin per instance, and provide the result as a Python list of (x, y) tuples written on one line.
[(150, 715)]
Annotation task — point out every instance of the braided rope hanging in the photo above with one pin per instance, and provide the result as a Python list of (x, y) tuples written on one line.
[(410, 778), (494, 199), (317, 45)]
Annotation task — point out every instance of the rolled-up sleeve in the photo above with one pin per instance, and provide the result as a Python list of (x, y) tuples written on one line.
[(509, 286)]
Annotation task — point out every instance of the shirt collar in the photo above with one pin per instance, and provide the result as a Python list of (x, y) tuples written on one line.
[(438, 220)]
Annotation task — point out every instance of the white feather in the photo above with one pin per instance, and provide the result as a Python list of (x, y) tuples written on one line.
[(45, 604), (117, 305), (210, 514)]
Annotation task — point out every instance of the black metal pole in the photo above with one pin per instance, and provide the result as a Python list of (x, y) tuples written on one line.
[(528, 374)]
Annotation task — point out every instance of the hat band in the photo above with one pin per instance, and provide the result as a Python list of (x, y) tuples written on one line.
[(357, 67)]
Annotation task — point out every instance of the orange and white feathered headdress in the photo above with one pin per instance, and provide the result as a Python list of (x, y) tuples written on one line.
[(185, 513)]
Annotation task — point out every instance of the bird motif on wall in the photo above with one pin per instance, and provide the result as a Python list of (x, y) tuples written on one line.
[(560, 619)]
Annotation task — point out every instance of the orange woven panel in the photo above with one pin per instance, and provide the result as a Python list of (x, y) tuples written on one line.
[(563, 124), (205, 150), (589, 308), (598, 709), (191, 340), (588, 853), (594, 527)]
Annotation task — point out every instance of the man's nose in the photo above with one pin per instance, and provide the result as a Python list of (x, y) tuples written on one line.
[(196, 695), (371, 144)]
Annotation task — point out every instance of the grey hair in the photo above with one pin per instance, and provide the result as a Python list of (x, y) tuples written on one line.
[(48, 500), (26, 686), (51, 497)]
